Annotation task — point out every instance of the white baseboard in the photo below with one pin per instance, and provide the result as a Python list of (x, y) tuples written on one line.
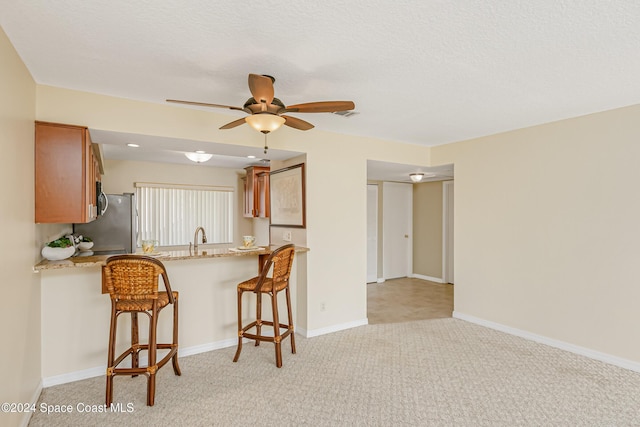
[(429, 278), (381, 280), (203, 348), (34, 401), (583, 351), (74, 376), (335, 328), (101, 370)]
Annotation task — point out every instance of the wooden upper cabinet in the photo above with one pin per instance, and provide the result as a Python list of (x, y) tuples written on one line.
[(66, 171), (256, 192)]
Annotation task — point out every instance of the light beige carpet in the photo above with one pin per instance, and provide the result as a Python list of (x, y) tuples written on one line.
[(443, 372)]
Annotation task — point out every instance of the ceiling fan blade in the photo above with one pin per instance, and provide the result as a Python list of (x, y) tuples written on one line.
[(233, 124), (297, 123), (321, 107), (261, 88), (204, 104)]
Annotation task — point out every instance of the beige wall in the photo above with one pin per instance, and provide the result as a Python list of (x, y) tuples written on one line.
[(120, 176), (20, 370), (427, 229), (547, 230)]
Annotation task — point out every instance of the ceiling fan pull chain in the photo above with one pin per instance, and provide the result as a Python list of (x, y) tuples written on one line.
[(265, 144)]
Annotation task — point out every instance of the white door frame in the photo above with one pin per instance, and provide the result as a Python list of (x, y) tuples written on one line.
[(447, 231), (372, 233)]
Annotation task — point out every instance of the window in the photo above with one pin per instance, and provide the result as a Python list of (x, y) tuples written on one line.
[(171, 213)]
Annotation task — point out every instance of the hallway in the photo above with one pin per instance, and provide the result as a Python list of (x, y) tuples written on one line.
[(407, 299)]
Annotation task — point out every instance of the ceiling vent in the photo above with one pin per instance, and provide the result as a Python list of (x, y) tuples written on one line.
[(346, 113)]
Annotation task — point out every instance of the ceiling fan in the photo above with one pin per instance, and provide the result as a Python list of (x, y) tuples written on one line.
[(267, 113)]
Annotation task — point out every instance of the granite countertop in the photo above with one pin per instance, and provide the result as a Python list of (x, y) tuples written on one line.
[(162, 255)]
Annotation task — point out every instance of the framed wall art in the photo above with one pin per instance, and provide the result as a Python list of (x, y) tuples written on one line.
[(287, 194)]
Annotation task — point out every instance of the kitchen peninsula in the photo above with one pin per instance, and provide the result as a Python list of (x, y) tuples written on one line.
[(75, 312)]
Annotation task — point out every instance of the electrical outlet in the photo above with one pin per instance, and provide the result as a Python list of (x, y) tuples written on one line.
[(323, 306), (286, 236)]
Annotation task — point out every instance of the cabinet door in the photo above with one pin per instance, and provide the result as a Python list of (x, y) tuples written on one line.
[(252, 191), (263, 195), (248, 196), (62, 183)]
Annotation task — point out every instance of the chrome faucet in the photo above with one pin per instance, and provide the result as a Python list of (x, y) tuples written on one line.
[(195, 239)]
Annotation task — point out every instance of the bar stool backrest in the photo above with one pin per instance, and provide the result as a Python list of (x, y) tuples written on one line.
[(282, 260), (135, 277)]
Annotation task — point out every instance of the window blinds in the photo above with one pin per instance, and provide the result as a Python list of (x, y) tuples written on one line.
[(171, 213)]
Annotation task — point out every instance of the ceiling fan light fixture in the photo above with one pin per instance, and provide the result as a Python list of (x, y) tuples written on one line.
[(265, 122), (199, 157)]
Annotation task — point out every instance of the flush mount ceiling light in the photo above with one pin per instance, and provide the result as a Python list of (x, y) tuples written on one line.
[(198, 156), (416, 177), (265, 122), (133, 145)]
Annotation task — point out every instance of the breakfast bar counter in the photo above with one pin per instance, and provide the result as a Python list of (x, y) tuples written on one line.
[(162, 255), (75, 312)]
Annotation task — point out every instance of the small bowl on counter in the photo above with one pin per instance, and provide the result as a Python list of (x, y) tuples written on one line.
[(85, 246)]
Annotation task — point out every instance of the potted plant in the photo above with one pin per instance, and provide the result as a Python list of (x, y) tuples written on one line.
[(61, 248)]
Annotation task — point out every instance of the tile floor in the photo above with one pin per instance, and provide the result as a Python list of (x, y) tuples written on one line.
[(407, 299)]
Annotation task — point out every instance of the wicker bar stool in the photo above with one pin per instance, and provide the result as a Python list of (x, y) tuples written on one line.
[(281, 259), (132, 282)]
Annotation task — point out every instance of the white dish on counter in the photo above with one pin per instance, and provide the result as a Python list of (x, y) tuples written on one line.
[(247, 249), (154, 254)]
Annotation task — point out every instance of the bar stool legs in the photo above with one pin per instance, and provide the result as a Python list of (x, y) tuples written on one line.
[(258, 323), (152, 366)]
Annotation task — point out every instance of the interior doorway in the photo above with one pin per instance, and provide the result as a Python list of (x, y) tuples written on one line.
[(392, 288)]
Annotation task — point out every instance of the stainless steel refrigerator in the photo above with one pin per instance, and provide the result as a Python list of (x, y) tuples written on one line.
[(115, 231)]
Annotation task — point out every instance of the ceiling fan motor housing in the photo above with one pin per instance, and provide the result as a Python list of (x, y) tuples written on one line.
[(252, 106)]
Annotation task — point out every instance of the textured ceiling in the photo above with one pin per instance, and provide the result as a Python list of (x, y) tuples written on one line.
[(419, 71)]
